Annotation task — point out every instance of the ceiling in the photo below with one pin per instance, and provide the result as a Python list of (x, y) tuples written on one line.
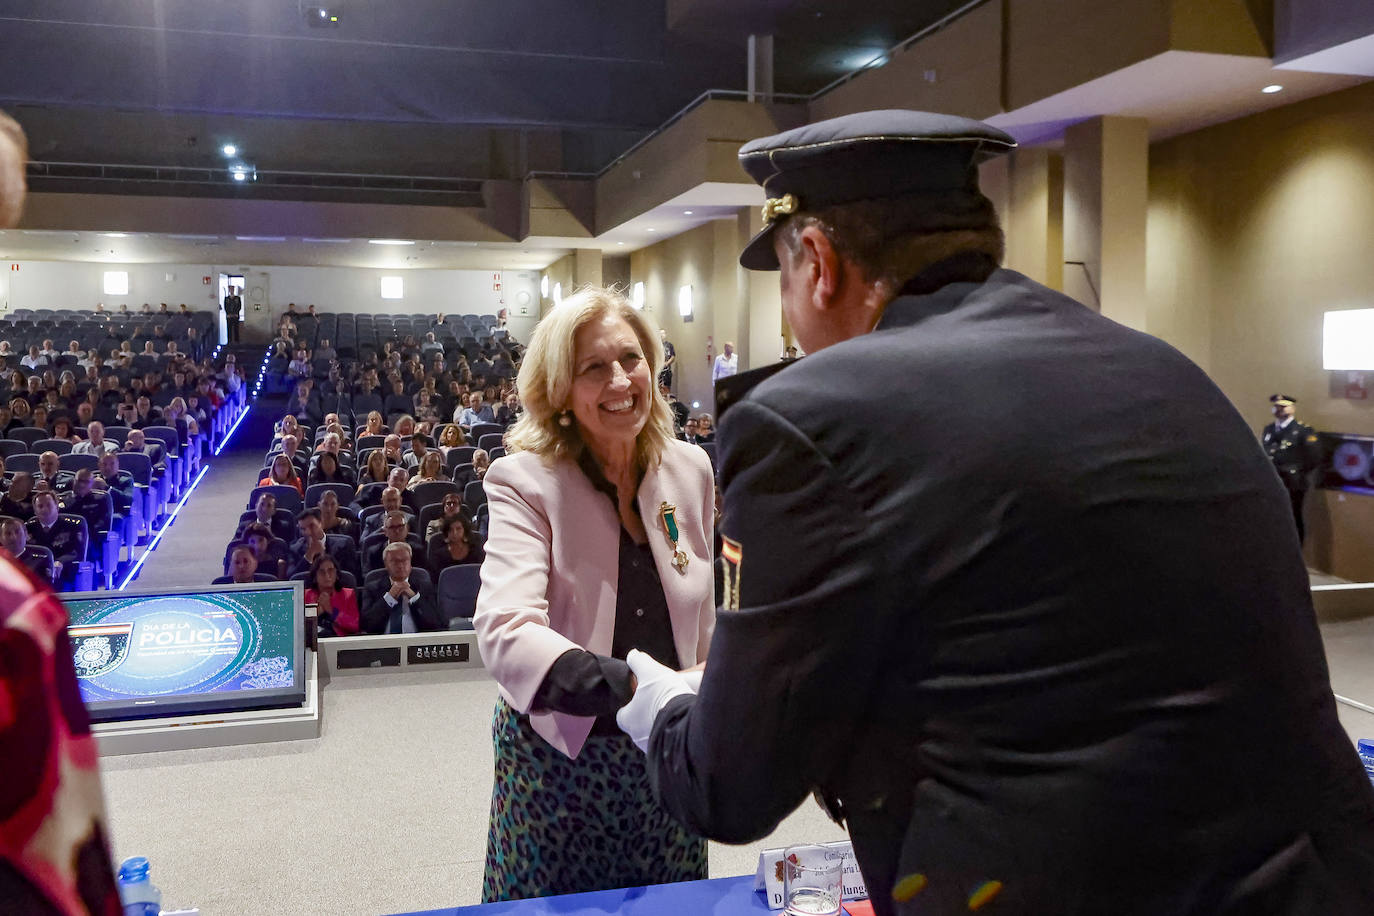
[(468, 88)]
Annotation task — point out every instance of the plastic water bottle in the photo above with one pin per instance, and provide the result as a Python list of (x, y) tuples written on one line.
[(1367, 756), (138, 895)]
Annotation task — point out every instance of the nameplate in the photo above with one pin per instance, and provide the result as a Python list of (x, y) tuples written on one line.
[(768, 877)]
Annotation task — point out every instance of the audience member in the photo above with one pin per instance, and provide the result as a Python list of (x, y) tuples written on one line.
[(399, 598), (336, 606), (60, 534), (243, 568), (282, 474), (270, 551), (14, 537), (18, 499), (456, 543)]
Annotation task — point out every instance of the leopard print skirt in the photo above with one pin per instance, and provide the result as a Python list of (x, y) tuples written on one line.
[(561, 826)]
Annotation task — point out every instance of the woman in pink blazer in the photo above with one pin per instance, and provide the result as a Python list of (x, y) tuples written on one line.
[(600, 542)]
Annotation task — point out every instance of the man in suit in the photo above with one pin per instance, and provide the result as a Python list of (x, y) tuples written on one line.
[(14, 537), (48, 528), (95, 442), (233, 307), (1296, 453), (1021, 661), (395, 529), (399, 598), (243, 569), (313, 542)]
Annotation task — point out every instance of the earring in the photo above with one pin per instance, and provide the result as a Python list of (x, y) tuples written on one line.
[(565, 419)]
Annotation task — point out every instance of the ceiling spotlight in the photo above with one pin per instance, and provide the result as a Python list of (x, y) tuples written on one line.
[(390, 242), (242, 172), (620, 243), (1271, 89), (653, 230), (686, 212), (229, 149), (115, 235)]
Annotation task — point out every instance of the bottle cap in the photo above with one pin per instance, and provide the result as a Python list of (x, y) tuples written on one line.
[(134, 868)]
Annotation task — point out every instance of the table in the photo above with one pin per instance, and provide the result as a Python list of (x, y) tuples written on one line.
[(713, 897)]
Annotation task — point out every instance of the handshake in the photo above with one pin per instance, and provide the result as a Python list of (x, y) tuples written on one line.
[(655, 686)]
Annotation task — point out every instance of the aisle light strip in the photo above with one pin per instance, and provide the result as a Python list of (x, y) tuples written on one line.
[(229, 435), (157, 538)]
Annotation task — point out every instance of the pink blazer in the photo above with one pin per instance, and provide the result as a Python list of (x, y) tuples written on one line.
[(553, 554)]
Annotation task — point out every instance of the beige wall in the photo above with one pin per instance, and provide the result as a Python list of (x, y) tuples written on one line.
[(1258, 227)]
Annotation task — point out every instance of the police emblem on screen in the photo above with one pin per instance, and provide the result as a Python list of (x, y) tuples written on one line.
[(99, 649)]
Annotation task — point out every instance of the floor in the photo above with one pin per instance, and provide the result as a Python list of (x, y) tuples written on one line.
[(387, 810)]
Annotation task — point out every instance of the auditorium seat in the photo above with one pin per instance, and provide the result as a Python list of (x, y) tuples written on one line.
[(457, 594)]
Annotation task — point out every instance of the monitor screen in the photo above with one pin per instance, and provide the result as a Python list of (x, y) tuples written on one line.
[(182, 651)]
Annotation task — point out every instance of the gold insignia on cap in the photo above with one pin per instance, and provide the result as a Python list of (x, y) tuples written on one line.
[(775, 207)]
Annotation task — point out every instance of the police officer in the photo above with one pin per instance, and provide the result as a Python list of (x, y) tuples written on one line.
[(1296, 453), (60, 534), (14, 537), (233, 307), (1044, 648), (95, 506), (119, 483)]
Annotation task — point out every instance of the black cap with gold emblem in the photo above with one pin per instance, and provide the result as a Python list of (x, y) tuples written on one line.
[(863, 156)]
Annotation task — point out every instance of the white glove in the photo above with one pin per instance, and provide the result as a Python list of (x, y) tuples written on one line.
[(657, 685)]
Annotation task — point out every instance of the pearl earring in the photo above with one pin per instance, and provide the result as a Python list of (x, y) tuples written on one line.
[(565, 419)]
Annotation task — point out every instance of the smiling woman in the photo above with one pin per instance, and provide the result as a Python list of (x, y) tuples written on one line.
[(600, 542)]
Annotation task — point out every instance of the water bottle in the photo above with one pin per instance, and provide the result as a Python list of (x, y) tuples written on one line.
[(138, 895), (1367, 756)]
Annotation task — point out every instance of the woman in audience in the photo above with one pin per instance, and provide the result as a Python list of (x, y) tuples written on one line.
[(270, 551), (704, 426), (328, 470), (569, 589), (375, 470), (452, 506), (289, 426), (375, 425), (431, 470), (336, 607), (456, 543), (18, 500), (176, 415), (405, 426), (282, 474), (61, 428), (452, 437), (332, 520), (20, 411)]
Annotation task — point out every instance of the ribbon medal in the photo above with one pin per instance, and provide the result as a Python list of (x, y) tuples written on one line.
[(666, 510)]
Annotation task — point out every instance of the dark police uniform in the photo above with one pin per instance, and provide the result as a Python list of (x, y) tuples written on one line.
[(64, 540), (1037, 641), (233, 306), (38, 560), (121, 490), (1296, 453)]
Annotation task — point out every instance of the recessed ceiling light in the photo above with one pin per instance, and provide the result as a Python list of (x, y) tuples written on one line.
[(229, 149), (653, 230), (620, 243), (686, 212), (390, 242), (1270, 90), (115, 235)]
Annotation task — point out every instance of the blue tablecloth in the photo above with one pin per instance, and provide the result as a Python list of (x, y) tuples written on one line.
[(716, 897)]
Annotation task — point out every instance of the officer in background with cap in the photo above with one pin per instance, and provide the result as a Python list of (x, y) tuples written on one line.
[(1296, 453), (1045, 649)]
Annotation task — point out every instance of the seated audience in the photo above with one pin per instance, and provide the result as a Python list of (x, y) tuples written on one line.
[(282, 474), (18, 499), (49, 528), (270, 551), (314, 541), (14, 537), (119, 484), (431, 470), (335, 520), (327, 469), (265, 513), (375, 470), (456, 543), (243, 569), (95, 442), (452, 437), (399, 598), (336, 607), (395, 529)]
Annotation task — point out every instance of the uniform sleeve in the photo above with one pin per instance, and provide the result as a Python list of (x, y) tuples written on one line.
[(792, 654)]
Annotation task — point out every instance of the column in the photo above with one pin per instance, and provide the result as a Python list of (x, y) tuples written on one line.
[(1106, 185), (586, 268)]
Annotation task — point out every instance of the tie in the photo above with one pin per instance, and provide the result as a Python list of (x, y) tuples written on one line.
[(396, 623)]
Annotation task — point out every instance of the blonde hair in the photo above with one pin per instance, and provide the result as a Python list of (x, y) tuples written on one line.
[(546, 378)]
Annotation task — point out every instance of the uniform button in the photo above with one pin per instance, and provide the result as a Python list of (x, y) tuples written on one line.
[(639, 612)]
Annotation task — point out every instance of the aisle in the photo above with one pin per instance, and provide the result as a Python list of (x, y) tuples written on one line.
[(192, 551)]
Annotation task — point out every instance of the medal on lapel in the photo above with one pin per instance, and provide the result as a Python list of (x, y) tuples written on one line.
[(665, 511)]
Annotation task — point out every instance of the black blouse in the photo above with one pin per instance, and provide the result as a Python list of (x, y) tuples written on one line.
[(582, 683)]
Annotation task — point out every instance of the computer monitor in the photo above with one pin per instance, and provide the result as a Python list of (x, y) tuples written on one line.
[(174, 652)]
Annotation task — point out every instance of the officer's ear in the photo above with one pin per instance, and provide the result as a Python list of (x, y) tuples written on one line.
[(823, 268)]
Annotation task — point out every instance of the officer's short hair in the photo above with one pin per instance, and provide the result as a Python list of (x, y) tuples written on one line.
[(889, 239)]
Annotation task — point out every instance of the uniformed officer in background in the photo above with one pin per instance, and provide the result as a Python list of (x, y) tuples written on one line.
[(1046, 649), (1296, 453)]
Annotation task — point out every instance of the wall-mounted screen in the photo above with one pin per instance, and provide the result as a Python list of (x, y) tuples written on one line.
[(182, 651)]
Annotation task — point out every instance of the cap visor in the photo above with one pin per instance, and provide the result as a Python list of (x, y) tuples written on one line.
[(759, 253)]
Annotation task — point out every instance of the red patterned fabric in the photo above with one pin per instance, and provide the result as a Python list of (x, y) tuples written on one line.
[(54, 856)]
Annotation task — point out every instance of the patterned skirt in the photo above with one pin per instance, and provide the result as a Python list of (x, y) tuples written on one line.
[(561, 826)]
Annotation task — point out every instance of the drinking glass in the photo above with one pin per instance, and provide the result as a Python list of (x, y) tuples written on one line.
[(812, 881)]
